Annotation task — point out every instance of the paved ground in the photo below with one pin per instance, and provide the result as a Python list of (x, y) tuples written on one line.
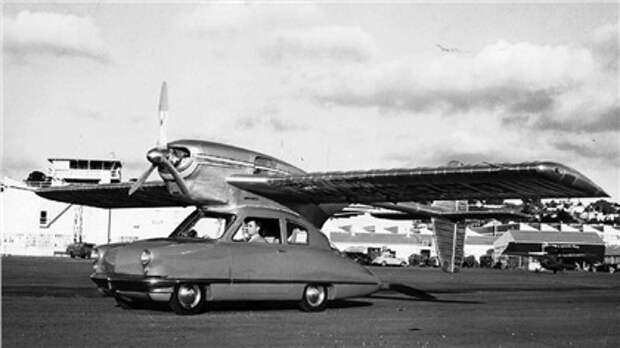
[(51, 302)]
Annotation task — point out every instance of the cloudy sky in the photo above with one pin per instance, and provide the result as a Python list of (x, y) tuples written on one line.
[(324, 87)]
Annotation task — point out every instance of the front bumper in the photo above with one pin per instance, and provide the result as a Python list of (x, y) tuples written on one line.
[(135, 287)]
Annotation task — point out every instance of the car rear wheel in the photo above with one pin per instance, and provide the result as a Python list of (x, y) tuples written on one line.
[(188, 299), (383, 263), (72, 254), (403, 264), (314, 298)]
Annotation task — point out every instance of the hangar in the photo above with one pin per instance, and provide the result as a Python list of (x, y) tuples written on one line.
[(577, 246)]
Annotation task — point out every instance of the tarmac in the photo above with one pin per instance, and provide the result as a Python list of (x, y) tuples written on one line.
[(51, 302)]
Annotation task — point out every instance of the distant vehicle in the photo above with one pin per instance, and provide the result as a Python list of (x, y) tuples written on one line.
[(359, 257), (611, 264), (605, 267), (388, 259), (417, 260), (486, 261), (81, 249), (433, 261), (470, 262)]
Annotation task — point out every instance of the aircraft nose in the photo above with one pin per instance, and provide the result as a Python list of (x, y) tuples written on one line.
[(155, 156)]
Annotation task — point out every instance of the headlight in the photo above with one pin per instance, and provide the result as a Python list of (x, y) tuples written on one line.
[(145, 258), (94, 254)]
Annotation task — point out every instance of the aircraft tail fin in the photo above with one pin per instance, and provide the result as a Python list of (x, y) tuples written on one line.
[(450, 244)]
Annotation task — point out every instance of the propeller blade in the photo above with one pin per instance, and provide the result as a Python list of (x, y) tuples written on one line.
[(136, 185), (177, 177), (163, 116)]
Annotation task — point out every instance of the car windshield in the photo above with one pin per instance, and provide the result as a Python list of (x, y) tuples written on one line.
[(203, 225)]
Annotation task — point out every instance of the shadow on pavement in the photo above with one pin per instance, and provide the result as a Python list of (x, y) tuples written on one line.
[(52, 291), (226, 306), (387, 292)]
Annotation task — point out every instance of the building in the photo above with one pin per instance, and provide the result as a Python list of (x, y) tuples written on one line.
[(31, 225), (528, 242), (88, 171)]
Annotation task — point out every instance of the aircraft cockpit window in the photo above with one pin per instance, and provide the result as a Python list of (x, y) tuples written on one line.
[(264, 166), (259, 230), (296, 234)]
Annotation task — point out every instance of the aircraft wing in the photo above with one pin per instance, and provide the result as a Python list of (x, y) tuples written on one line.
[(412, 210), (485, 181), (151, 194)]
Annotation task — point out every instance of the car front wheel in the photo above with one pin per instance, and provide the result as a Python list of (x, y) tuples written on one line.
[(188, 299), (314, 298)]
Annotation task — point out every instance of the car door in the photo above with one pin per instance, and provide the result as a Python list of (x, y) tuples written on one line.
[(257, 271)]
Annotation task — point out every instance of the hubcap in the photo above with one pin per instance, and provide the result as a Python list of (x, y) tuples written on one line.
[(315, 295), (188, 295)]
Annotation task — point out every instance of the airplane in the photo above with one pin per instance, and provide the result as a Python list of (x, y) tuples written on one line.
[(229, 184), (447, 49)]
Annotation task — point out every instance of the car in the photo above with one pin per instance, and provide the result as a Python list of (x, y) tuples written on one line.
[(80, 249), (387, 259), (605, 267), (359, 257), (470, 262), (416, 260), (209, 257), (433, 261)]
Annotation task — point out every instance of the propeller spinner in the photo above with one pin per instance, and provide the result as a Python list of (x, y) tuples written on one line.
[(160, 156)]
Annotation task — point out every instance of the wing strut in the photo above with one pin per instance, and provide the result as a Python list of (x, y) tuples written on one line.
[(450, 244)]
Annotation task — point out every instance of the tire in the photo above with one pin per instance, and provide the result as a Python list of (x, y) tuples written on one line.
[(403, 264), (314, 298), (383, 263), (188, 299), (72, 255)]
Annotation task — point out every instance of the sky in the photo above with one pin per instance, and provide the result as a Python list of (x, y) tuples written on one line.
[(336, 86)]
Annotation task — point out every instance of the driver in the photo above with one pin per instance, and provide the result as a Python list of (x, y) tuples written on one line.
[(251, 232)]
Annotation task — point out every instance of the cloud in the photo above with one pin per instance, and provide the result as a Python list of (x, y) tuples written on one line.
[(275, 124), (604, 121), (505, 76), (36, 33), (246, 18), (604, 41), (277, 32), (606, 151), (341, 43), (566, 88)]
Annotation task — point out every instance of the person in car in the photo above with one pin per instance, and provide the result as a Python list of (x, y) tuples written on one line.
[(252, 232)]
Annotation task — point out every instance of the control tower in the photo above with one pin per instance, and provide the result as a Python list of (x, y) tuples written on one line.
[(84, 171)]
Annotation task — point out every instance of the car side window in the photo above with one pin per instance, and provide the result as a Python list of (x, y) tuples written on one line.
[(205, 228), (258, 230), (296, 234), (209, 228)]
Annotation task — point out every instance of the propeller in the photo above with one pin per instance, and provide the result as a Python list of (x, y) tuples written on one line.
[(163, 116), (159, 156)]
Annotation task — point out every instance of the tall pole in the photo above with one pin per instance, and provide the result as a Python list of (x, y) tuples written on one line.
[(453, 259), (109, 225)]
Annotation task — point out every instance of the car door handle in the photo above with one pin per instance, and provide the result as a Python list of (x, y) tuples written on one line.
[(281, 251)]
